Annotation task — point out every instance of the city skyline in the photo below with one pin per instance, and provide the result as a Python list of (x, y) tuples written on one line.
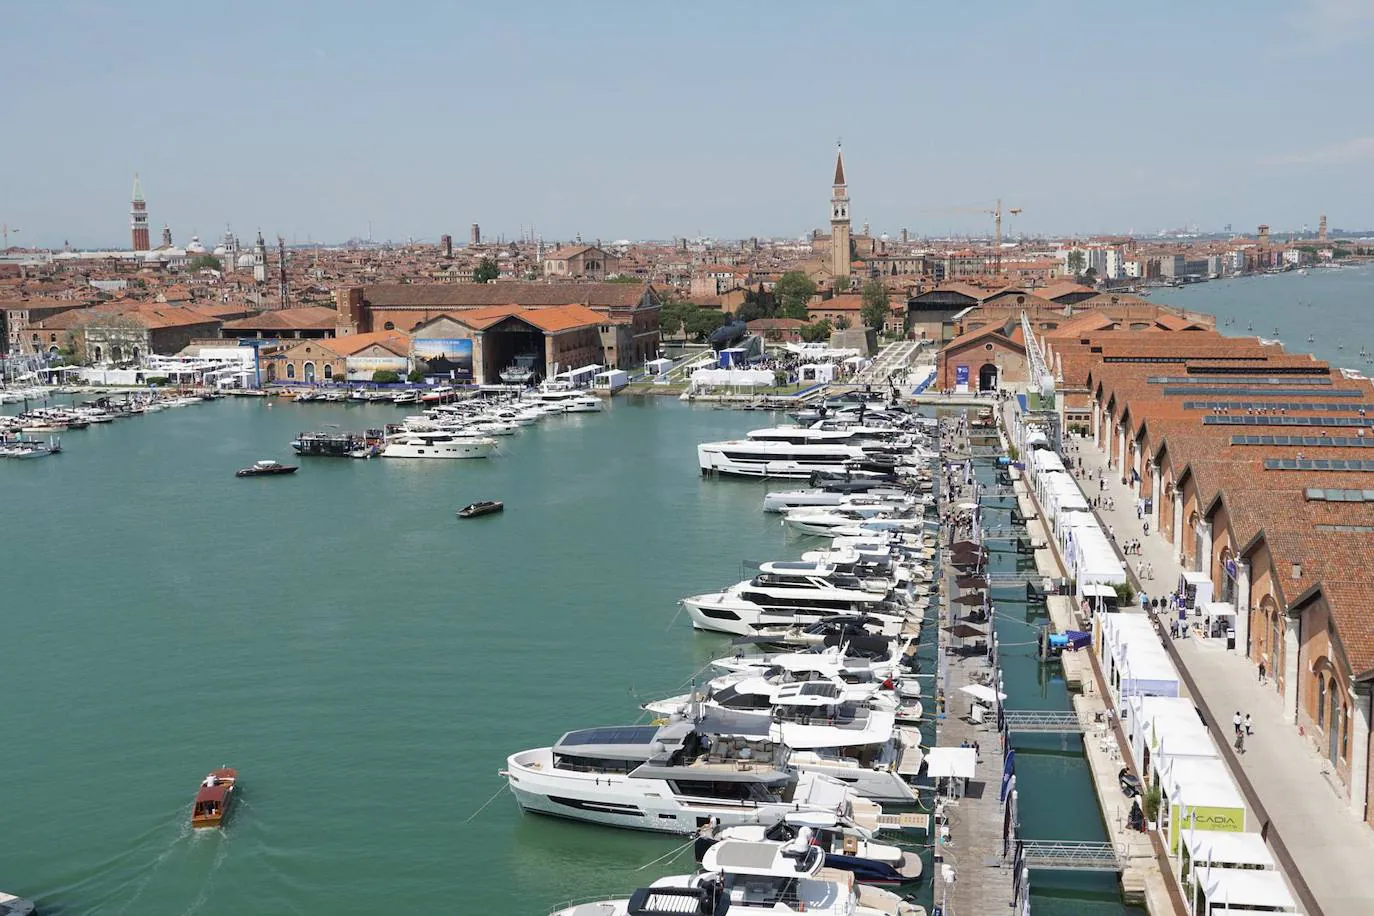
[(616, 122)]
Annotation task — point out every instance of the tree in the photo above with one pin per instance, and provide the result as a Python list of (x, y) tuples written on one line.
[(1090, 276), (701, 322), (843, 283), (750, 311), (486, 271), (205, 262), (672, 316), (385, 377), (416, 375), (874, 310), (792, 291), (842, 323), (815, 332), (1077, 261)]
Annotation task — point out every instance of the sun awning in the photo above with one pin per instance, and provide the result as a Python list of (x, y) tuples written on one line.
[(964, 631)]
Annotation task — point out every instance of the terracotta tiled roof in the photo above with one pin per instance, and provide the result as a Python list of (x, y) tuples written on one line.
[(311, 318), (473, 295)]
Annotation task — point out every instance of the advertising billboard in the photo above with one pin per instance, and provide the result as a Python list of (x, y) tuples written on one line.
[(961, 378), (362, 368), (445, 356)]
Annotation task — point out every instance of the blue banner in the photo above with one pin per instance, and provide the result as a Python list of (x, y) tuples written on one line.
[(961, 375), (1008, 767)]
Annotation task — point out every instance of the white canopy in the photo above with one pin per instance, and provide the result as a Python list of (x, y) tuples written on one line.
[(733, 377), (1199, 781), (955, 762), (1226, 850), (1245, 890), (984, 693)]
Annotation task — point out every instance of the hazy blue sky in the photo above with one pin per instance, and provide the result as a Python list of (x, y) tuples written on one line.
[(654, 119)]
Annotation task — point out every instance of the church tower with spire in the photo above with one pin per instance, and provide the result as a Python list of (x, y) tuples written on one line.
[(138, 218), (840, 245), (260, 260)]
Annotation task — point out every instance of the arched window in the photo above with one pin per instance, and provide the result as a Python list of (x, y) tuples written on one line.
[(309, 371), (1333, 740), (117, 354), (1276, 647), (1345, 731), (389, 326), (98, 353), (135, 357), (290, 370), (328, 370)]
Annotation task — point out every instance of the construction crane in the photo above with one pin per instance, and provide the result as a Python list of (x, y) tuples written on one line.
[(996, 214), (997, 236), (6, 230)]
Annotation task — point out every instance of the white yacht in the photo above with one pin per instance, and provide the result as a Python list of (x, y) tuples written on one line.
[(521, 370), (438, 444), (750, 458), (569, 400), (823, 521), (792, 593), (740, 877), (676, 778), (847, 732), (782, 500), (846, 849)]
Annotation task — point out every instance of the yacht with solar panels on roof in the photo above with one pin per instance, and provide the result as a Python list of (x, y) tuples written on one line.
[(677, 777)]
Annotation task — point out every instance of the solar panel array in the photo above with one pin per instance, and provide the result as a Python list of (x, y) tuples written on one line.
[(1333, 441), (1339, 496), (1318, 464), (625, 734), (1283, 420), (1275, 405), (1238, 380), (1242, 391)]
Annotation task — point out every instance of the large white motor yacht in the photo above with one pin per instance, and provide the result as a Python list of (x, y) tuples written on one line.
[(676, 778), (437, 445), (750, 458)]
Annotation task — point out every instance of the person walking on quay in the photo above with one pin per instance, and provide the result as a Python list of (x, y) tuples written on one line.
[(1248, 729), (1237, 722), (1147, 527), (1261, 672), (1150, 571), (1240, 742)]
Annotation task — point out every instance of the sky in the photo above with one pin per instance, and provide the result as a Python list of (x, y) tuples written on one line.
[(656, 119)]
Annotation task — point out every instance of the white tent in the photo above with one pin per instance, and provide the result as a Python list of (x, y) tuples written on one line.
[(1226, 850), (954, 762), (1151, 720), (1218, 617), (1133, 659), (1200, 796), (818, 372), (733, 378), (658, 366), (1232, 890)]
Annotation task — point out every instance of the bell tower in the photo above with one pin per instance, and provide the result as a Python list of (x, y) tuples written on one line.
[(840, 254), (138, 218)]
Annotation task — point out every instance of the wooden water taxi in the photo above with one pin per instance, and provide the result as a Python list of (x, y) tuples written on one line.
[(214, 798)]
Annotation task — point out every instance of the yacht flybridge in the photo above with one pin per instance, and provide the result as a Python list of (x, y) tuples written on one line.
[(676, 778)]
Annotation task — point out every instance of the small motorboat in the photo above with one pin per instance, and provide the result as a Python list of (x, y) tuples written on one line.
[(214, 798), (266, 468), (485, 507), (11, 905)]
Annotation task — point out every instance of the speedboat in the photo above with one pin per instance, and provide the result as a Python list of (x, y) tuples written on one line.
[(266, 468), (750, 458), (11, 905), (213, 799), (484, 507), (742, 876), (846, 848), (677, 777), (834, 495)]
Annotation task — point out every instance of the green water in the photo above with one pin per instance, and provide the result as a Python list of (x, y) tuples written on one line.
[(365, 660)]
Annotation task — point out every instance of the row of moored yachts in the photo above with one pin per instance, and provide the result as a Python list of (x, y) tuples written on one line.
[(17, 431), (468, 429), (781, 762)]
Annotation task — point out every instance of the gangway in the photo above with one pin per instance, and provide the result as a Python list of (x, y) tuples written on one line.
[(1069, 855), (1043, 721)]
